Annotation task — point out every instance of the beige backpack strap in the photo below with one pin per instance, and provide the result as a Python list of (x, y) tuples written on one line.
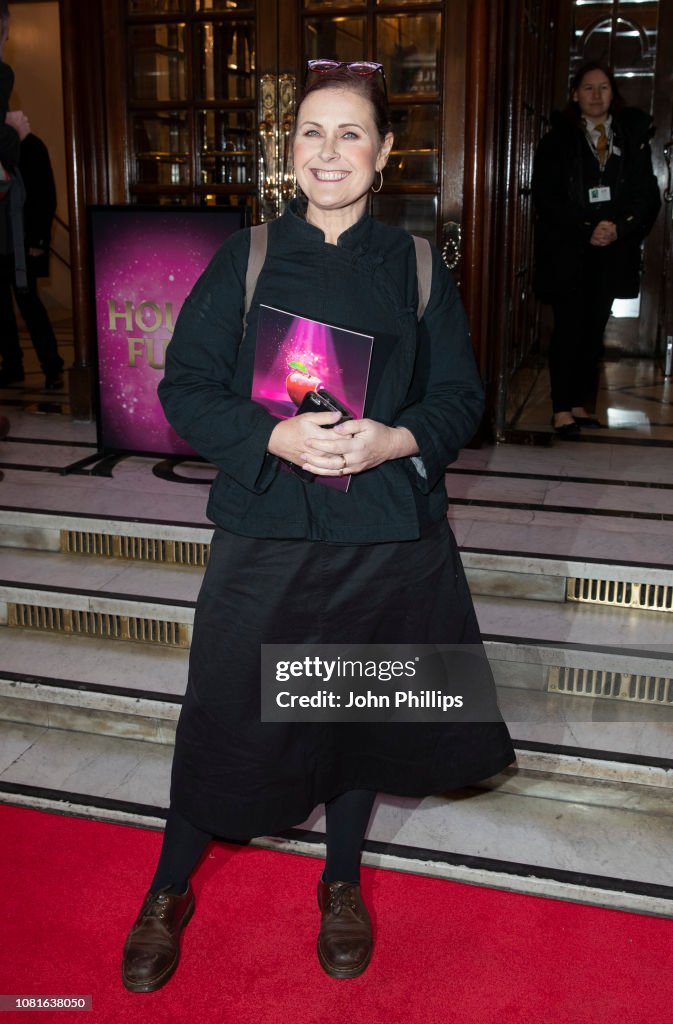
[(256, 256), (423, 272)]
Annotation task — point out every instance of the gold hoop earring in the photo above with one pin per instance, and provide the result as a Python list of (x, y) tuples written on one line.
[(380, 184)]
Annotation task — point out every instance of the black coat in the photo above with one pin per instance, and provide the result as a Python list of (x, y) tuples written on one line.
[(40, 203), (564, 170), (9, 139), (429, 383), (12, 191)]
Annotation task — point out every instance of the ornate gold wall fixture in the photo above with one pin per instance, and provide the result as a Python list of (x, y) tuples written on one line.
[(276, 122)]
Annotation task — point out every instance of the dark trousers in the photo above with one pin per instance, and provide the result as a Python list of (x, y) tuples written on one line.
[(576, 345), (35, 317)]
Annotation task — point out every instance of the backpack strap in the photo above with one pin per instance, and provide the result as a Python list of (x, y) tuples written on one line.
[(258, 243), (423, 272)]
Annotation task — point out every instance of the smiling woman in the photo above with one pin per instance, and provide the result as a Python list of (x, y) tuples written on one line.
[(339, 147), (297, 563)]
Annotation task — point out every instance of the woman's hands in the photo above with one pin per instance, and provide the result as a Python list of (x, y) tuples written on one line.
[(605, 233), (350, 447)]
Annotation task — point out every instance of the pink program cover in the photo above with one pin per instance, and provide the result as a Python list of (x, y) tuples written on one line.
[(294, 355)]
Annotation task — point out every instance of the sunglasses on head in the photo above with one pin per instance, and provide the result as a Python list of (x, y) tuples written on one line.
[(322, 66)]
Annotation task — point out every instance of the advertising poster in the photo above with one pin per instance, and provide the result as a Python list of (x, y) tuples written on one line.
[(145, 262)]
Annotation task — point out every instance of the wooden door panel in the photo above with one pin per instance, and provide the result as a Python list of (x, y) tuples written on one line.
[(163, 99)]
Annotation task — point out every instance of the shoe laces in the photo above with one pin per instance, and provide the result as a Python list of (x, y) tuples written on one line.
[(341, 897), (158, 906)]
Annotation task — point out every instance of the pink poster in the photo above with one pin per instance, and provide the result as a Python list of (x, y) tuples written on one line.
[(295, 356), (145, 263)]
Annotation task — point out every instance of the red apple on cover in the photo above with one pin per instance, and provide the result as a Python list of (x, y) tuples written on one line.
[(299, 381)]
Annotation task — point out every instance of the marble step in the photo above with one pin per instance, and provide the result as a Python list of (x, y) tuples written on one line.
[(59, 580), (645, 586), (527, 829), (134, 690), (639, 500), (98, 597), (552, 678), (51, 580)]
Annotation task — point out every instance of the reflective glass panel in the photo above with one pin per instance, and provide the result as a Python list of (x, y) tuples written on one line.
[(624, 36), (227, 153), (227, 199), (225, 5), (161, 148), (157, 57), (227, 61), (156, 6), (417, 214), (414, 153), (332, 3), (408, 46), (337, 38)]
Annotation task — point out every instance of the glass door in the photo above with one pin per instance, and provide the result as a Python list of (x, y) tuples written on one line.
[(407, 39), (211, 86), (192, 95)]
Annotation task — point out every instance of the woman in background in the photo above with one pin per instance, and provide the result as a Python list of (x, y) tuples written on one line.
[(596, 198)]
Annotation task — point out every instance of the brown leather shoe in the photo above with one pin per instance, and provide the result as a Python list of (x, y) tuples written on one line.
[(345, 939), (152, 949)]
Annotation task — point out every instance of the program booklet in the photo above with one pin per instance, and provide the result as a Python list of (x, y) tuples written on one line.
[(295, 355)]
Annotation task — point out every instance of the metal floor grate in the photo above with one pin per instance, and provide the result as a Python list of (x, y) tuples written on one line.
[(656, 597), (135, 549), (101, 625), (590, 682)]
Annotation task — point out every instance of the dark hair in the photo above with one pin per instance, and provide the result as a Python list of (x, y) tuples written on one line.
[(572, 110), (366, 86)]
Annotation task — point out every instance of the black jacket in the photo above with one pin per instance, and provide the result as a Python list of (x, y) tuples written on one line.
[(563, 172), (12, 194), (429, 382), (9, 139), (40, 203)]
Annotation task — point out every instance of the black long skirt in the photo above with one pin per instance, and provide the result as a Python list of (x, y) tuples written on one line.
[(238, 777)]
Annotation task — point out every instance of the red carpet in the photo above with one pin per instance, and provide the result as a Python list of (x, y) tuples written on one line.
[(445, 953)]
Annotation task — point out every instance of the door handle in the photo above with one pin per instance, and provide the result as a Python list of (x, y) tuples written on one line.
[(452, 240), (286, 99), (668, 157), (267, 144), (276, 105), (267, 139)]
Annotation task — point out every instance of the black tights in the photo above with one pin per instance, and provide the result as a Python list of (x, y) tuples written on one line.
[(347, 818)]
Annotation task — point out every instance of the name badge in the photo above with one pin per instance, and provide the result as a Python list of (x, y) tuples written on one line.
[(599, 195)]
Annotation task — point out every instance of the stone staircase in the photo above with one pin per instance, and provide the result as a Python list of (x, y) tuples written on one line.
[(96, 610)]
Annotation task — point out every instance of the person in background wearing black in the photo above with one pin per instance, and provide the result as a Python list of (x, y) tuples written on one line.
[(20, 148), (9, 123), (596, 198), (9, 149)]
